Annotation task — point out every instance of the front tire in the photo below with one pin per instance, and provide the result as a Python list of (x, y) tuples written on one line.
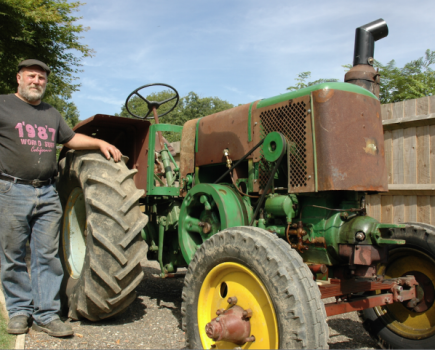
[(265, 275), (398, 326), (100, 246)]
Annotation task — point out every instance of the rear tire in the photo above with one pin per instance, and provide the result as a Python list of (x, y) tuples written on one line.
[(265, 275), (100, 246), (396, 326)]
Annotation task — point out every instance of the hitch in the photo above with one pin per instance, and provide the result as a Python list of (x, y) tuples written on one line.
[(390, 291)]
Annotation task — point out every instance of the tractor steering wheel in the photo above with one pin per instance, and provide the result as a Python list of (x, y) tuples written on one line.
[(152, 104)]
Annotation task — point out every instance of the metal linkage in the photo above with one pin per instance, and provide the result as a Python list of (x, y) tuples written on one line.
[(239, 161), (266, 188), (392, 291)]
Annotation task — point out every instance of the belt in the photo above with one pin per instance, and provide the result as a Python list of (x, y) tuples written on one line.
[(34, 183)]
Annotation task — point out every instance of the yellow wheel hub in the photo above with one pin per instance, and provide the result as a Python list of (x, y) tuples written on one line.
[(398, 318), (235, 280)]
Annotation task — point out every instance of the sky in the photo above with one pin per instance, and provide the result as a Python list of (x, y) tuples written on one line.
[(237, 50)]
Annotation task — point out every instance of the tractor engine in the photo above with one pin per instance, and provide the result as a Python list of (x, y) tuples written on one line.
[(302, 163)]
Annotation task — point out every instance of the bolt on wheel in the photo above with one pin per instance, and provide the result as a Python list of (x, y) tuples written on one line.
[(246, 288), (233, 279)]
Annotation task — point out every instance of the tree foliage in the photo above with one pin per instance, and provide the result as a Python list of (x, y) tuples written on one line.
[(302, 81), (416, 79), (44, 30), (67, 110), (189, 107)]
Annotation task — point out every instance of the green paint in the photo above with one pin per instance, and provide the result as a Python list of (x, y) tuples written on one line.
[(308, 90), (161, 234), (251, 175), (149, 236), (176, 168), (313, 133), (196, 135), (167, 167), (218, 205), (273, 146), (162, 224), (279, 230), (281, 206), (250, 122), (151, 188), (197, 180)]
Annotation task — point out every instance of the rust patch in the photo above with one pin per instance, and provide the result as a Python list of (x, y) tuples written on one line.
[(129, 135), (224, 130), (371, 146), (349, 142), (323, 95), (187, 148)]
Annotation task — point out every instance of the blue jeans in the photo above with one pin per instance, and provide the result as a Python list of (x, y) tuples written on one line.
[(30, 213)]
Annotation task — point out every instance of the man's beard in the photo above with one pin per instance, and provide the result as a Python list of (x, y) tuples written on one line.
[(31, 95)]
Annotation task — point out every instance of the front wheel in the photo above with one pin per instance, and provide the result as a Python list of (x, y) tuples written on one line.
[(277, 304), (100, 246), (405, 325)]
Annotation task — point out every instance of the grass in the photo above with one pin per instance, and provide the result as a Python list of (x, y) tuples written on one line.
[(7, 341)]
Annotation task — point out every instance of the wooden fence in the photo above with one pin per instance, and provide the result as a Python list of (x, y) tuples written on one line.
[(409, 133)]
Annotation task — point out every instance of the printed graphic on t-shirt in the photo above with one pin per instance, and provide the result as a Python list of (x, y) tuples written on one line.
[(40, 139)]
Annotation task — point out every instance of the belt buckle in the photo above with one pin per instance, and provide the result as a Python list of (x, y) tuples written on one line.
[(36, 183)]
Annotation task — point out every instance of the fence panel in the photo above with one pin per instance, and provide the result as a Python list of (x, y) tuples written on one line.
[(409, 133)]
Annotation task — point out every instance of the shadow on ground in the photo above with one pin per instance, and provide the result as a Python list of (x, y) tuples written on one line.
[(346, 333)]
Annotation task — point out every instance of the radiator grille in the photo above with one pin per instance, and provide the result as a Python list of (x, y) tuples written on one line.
[(291, 121)]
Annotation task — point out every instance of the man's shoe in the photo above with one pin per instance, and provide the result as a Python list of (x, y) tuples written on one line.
[(18, 324), (55, 328)]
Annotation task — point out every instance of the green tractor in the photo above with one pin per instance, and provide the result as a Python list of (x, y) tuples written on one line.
[(266, 209)]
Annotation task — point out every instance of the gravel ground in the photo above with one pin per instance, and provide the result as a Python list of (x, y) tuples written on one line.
[(153, 321)]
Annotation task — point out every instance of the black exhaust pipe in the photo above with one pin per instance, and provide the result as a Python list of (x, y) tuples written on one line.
[(362, 73), (365, 37)]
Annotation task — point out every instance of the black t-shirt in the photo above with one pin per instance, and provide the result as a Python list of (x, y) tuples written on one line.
[(28, 137)]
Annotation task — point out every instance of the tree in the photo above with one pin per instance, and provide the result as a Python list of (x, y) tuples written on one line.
[(189, 107), (45, 30), (68, 110), (302, 81), (140, 108), (416, 79)]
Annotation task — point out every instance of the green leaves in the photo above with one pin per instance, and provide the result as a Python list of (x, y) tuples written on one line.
[(68, 110), (302, 81), (416, 79), (45, 30)]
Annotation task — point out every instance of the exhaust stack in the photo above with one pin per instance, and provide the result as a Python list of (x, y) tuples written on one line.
[(363, 73)]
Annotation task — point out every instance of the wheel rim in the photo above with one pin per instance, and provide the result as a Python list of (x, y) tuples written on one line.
[(217, 206), (399, 318), (231, 279), (74, 233)]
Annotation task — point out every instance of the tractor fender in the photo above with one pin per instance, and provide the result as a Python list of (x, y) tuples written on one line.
[(129, 135)]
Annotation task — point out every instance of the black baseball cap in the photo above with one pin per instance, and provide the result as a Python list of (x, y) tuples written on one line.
[(33, 62)]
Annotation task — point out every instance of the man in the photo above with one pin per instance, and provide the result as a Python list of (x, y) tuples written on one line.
[(29, 204)]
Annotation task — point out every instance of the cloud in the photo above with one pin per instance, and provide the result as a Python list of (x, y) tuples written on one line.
[(239, 51), (233, 89), (105, 99)]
